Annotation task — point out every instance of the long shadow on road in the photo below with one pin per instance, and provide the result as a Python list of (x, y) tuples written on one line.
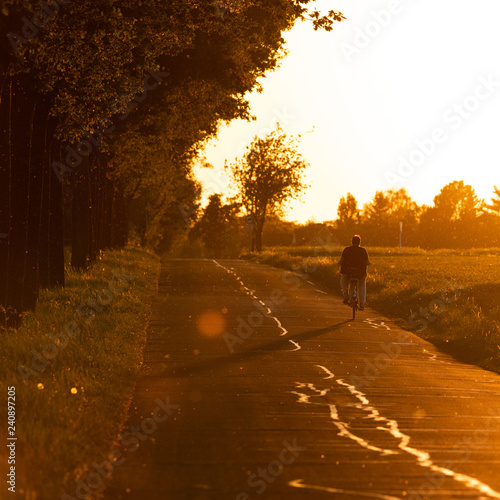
[(236, 357)]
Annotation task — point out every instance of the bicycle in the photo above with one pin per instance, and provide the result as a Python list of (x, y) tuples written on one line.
[(353, 291)]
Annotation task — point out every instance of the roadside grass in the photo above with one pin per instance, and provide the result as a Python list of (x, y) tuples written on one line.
[(449, 297), (73, 366)]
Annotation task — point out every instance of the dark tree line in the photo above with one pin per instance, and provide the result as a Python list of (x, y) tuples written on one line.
[(457, 219), (103, 106)]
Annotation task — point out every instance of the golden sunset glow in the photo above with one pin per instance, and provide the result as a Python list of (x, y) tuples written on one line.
[(372, 97)]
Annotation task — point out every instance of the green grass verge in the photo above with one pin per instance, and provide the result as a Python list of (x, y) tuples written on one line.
[(73, 363), (449, 297)]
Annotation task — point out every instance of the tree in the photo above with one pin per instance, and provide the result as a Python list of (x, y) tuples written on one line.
[(348, 216), (347, 211), (381, 217), (494, 206), (407, 211), (457, 201), (453, 220), (217, 227), (267, 177), (60, 83)]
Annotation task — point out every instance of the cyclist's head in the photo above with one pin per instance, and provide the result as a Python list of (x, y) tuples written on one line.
[(356, 240)]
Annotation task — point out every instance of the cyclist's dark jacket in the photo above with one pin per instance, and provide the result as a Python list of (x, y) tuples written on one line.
[(354, 257)]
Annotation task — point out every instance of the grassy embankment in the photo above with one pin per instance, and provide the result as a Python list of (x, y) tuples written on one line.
[(449, 297), (78, 354)]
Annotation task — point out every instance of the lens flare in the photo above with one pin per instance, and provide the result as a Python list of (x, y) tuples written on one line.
[(211, 323)]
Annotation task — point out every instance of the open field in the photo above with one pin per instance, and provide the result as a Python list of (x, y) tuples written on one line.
[(449, 297), (73, 364)]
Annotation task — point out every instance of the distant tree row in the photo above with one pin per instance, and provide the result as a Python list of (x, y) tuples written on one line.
[(457, 219)]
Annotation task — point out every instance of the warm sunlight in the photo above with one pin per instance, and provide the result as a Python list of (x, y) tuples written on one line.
[(301, 305), (373, 98)]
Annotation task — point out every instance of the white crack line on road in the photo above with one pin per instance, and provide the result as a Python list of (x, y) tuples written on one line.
[(251, 293), (297, 346), (423, 458), (321, 291), (373, 323), (434, 357), (298, 483), (268, 310), (328, 372), (343, 427), (284, 331)]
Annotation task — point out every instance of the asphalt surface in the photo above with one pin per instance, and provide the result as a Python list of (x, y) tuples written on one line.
[(273, 392)]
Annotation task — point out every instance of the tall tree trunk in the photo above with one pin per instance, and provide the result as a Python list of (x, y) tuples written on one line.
[(80, 243), (20, 170), (44, 236), (100, 202), (97, 206), (37, 165), (120, 218), (56, 228), (258, 240), (93, 206), (258, 229), (5, 112), (107, 225), (51, 260)]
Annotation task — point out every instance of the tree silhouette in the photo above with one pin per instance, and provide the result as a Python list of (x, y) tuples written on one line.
[(453, 220), (86, 68), (269, 174), (457, 201), (494, 206), (348, 216), (381, 217), (217, 227)]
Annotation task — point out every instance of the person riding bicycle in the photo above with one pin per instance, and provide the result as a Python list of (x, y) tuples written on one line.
[(353, 264)]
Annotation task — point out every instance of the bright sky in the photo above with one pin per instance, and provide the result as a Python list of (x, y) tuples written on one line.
[(394, 74)]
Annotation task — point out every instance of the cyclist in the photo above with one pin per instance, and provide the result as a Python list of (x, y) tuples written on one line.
[(354, 260)]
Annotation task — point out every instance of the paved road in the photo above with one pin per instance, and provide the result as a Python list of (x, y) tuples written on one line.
[(273, 393)]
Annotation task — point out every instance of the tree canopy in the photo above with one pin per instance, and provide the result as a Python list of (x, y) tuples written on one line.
[(268, 175), (115, 98), (457, 219)]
